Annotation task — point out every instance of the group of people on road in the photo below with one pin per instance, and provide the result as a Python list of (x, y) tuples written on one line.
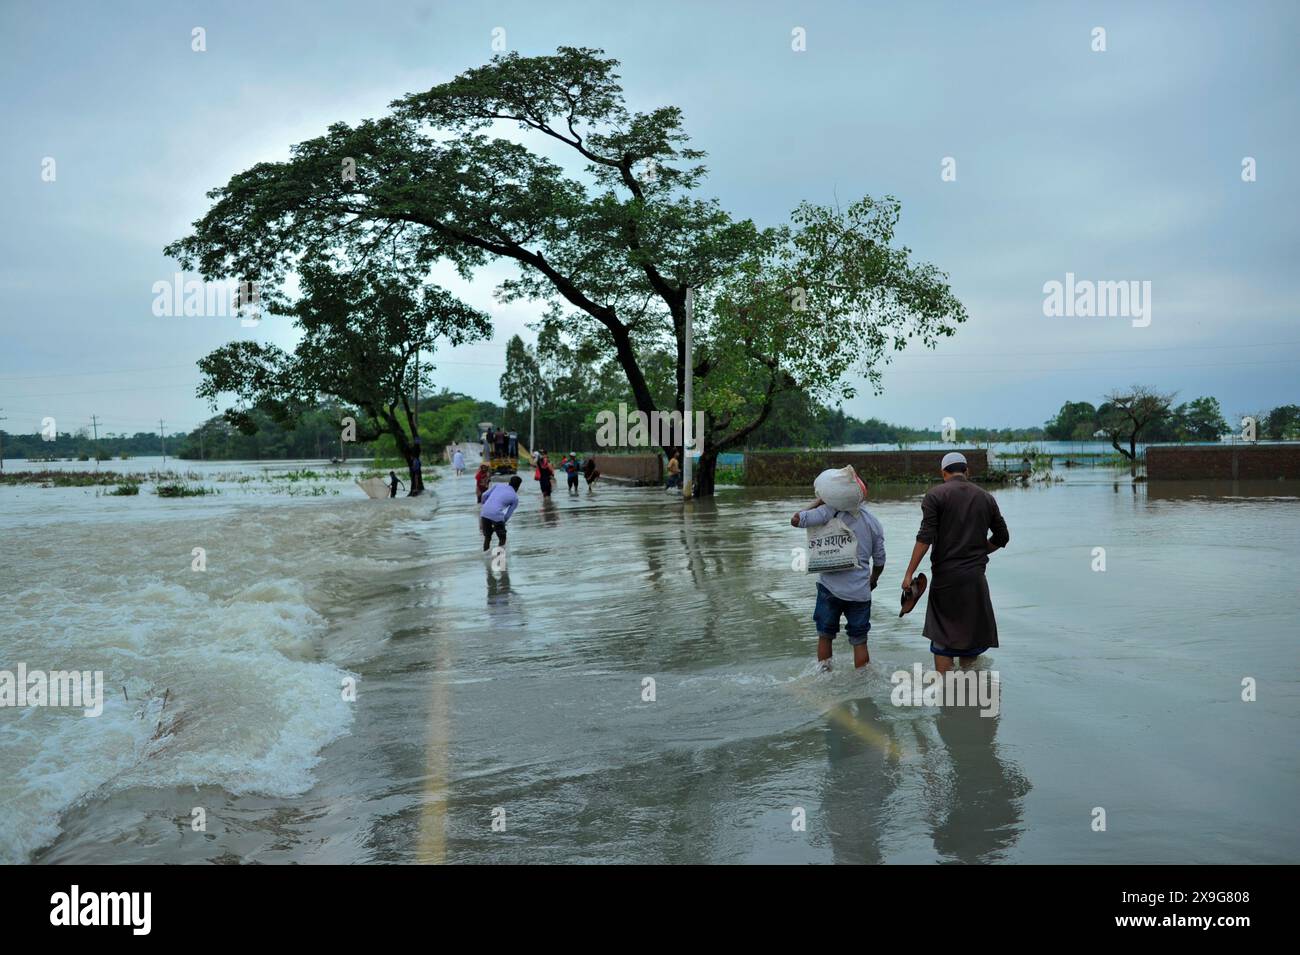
[(960, 526), (497, 502), (571, 466), (499, 443)]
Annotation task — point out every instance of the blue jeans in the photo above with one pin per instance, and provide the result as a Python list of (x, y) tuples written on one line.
[(829, 609)]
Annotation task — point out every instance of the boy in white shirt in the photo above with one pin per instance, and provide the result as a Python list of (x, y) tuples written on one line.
[(847, 593)]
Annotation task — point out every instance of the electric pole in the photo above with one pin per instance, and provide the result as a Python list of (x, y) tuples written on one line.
[(94, 423), (2, 447), (688, 417), (162, 438)]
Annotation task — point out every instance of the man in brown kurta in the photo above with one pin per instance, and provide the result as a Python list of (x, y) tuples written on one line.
[(957, 517)]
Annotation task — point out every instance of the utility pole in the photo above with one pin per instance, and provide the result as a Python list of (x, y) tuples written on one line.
[(94, 423), (162, 438), (688, 415), (2, 447), (415, 427)]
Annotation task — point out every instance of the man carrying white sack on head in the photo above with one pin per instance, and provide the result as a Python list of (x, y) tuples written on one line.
[(847, 547)]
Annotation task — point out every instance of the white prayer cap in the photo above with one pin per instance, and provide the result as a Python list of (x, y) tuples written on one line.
[(951, 458)]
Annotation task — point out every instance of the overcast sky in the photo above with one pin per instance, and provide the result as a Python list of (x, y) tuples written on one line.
[(1122, 165)]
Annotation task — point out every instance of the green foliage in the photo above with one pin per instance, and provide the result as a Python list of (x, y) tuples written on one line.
[(1131, 415), (65, 478), (1199, 420), (446, 424), (611, 251), (181, 489), (1076, 421), (1283, 422), (313, 434), (363, 331), (81, 446)]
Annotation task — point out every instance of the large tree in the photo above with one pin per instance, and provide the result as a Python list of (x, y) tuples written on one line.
[(1128, 415), (1282, 422), (1199, 420), (1076, 421), (363, 331), (611, 241)]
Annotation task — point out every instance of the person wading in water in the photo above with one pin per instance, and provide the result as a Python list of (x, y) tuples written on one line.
[(956, 520), (545, 474)]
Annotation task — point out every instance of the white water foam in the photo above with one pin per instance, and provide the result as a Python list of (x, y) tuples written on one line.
[(225, 687)]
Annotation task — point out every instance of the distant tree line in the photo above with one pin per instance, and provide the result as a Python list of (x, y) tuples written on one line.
[(82, 444), (1198, 420), (570, 393), (444, 418), (1141, 414), (570, 386)]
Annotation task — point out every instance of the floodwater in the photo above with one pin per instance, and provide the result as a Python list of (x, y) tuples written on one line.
[(503, 716)]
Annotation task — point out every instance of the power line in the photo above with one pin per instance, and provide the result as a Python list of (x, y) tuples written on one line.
[(1021, 370), (1095, 351), (79, 374), (104, 391)]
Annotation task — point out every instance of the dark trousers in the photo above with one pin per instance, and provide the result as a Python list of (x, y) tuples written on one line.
[(492, 527)]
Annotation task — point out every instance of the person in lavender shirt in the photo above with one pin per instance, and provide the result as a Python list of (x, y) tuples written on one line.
[(846, 593), (499, 502)]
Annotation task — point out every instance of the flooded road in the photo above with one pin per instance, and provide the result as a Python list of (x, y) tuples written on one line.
[(506, 716)]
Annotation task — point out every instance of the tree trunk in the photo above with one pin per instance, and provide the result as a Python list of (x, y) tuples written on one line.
[(415, 484), (706, 469), (411, 454)]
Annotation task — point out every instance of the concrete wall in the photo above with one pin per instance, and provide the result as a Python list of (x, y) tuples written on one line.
[(1231, 462), (635, 468), (801, 467)]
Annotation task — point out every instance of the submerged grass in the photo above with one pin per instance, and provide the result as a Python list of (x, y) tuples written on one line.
[(68, 478), (181, 489)]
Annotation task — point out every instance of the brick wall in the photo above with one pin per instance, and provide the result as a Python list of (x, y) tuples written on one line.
[(802, 467), (637, 468), (1229, 462)]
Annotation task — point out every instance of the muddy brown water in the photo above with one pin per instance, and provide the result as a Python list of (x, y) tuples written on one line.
[(501, 716)]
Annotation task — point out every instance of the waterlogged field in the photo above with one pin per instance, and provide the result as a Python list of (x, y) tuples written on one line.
[(637, 685)]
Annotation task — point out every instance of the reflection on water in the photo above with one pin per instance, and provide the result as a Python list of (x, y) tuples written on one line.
[(1281, 491), (976, 817), (521, 693), (862, 774)]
